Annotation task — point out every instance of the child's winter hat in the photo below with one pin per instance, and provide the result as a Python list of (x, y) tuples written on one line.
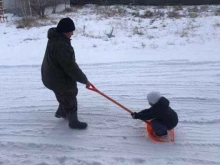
[(153, 97)]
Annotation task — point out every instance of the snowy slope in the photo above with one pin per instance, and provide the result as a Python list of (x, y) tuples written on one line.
[(188, 75)]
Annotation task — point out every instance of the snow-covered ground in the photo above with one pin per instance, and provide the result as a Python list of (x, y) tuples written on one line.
[(178, 57)]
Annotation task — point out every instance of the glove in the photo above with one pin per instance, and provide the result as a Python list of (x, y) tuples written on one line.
[(134, 115), (88, 84)]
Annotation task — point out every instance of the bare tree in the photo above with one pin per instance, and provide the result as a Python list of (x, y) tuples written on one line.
[(54, 5), (24, 8), (39, 6), (29, 6), (66, 2)]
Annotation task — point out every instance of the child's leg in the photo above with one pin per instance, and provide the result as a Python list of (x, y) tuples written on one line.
[(159, 129)]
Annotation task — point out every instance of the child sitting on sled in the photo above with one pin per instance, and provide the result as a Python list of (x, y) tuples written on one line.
[(163, 118)]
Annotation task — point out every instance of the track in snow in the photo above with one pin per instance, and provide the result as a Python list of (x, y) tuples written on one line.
[(30, 134)]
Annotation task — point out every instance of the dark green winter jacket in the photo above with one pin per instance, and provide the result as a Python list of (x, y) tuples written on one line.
[(59, 69)]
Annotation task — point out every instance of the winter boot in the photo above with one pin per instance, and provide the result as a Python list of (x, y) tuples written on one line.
[(60, 113), (74, 123)]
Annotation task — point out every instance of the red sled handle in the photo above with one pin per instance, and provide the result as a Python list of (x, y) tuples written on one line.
[(93, 88)]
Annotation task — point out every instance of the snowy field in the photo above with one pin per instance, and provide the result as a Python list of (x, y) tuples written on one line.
[(178, 57)]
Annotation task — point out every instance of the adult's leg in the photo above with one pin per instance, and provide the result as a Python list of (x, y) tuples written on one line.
[(60, 112), (68, 102)]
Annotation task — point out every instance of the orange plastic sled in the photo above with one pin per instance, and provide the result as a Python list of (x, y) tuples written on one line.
[(151, 134)]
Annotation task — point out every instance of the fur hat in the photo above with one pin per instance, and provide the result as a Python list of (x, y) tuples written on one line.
[(65, 25), (153, 97)]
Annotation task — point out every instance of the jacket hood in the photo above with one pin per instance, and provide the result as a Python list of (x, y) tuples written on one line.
[(163, 101), (52, 33)]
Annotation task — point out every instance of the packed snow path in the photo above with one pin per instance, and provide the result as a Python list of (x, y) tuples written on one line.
[(31, 135)]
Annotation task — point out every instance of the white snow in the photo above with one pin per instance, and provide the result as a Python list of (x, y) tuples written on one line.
[(126, 67)]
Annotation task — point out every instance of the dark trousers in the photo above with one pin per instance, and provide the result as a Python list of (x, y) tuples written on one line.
[(158, 128), (67, 100)]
